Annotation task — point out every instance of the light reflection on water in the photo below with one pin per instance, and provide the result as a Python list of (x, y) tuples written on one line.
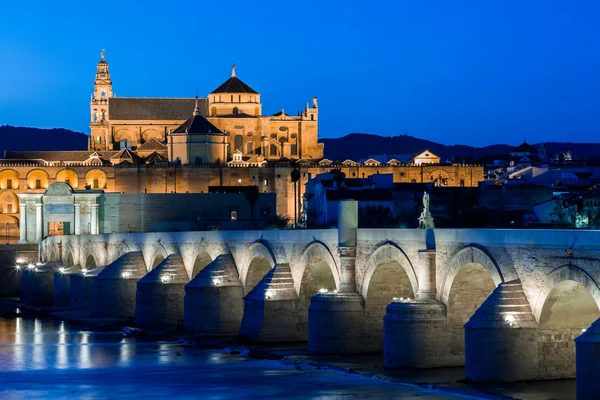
[(49, 359)]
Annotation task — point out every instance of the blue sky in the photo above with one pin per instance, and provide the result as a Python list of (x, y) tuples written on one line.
[(474, 72)]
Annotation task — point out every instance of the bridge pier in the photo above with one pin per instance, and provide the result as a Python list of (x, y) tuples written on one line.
[(336, 324), (415, 335), (415, 331), (214, 299), (270, 308), (62, 286), (37, 284), (160, 293), (82, 289), (114, 290), (501, 338), (588, 363)]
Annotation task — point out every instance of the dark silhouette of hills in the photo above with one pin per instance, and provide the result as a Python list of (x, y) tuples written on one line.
[(353, 146), (14, 138), (360, 145)]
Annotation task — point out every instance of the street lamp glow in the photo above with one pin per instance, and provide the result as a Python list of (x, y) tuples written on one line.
[(61, 270), (30, 266), (126, 274)]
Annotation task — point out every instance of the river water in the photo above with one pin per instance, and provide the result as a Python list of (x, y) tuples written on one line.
[(52, 359)]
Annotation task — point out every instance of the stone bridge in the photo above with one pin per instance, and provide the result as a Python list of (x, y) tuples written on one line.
[(506, 304)]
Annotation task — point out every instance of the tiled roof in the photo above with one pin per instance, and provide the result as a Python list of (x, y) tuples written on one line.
[(197, 124), (524, 148), (152, 145), (55, 156), (133, 108), (155, 158), (234, 85)]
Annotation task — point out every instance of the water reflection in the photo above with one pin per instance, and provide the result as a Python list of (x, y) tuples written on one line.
[(49, 359)]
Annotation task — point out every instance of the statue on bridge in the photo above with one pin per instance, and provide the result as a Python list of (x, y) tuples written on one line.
[(426, 220)]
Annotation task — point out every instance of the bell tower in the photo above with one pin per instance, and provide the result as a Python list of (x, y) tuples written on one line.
[(99, 106)]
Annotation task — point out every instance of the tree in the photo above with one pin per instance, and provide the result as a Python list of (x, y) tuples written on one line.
[(562, 215), (252, 196)]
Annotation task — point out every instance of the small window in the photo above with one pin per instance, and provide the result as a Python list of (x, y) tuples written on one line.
[(98, 139), (9, 184), (462, 182), (9, 209), (38, 183), (273, 135), (413, 181), (232, 98), (266, 182), (240, 98), (95, 184), (235, 111), (273, 150), (312, 117), (249, 148), (233, 213)]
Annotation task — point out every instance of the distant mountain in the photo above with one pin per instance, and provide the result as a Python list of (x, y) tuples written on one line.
[(360, 145), (354, 146), (21, 138)]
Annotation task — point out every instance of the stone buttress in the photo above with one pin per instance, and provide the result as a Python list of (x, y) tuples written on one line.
[(159, 296), (115, 287), (270, 308), (214, 299), (501, 338)]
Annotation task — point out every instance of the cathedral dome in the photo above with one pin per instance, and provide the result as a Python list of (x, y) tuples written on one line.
[(234, 85)]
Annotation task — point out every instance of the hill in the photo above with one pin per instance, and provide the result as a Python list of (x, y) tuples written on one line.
[(22, 138), (354, 146), (357, 146)]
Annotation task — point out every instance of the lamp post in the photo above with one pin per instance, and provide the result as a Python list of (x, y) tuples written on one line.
[(295, 175)]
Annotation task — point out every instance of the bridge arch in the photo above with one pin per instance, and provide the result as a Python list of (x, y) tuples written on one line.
[(561, 274), (318, 270), (70, 260), (90, 262), (567, 305), (202, 259), (116, 250), (389, 274), (388, 252), (471, 277), (470, 254), (260, 258), (159, 254), (52, 253), (314, 253)]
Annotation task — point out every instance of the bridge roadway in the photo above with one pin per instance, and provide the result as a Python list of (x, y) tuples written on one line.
[(506, 304)]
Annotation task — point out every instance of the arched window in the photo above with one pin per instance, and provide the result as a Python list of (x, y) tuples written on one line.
[(273, 150), (462, 182), (294, 149), (235, 111), (248, 147), (238, 143)]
